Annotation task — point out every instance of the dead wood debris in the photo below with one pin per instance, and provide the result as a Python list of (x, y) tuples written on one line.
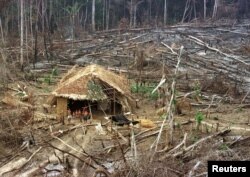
[(207, 57)]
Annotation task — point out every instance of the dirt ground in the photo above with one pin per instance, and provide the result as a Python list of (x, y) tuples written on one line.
[(85, 139)]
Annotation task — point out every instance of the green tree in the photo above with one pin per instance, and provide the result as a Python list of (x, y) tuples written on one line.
[(73, 11)]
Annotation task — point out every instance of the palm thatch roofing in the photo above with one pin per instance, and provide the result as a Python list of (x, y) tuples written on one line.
[(93, 83)]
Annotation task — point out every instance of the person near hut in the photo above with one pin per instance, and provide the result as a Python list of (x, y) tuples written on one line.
[(85, 115), (78, 115), (69, 116), (74, 115)]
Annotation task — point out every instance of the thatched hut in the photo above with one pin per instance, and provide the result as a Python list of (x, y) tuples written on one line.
[(94, 87)]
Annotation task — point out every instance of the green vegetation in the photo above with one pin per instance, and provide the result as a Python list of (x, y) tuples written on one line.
[(95, 91), (146, 91), (49, 78), (178, 125), (199, 117), (197, 90), (55, 72), (223, 147), (238, 110), (21, 94), (163, 116), (74, 9)]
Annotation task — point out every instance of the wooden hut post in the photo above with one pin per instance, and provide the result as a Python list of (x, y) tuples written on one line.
[(114, 102), (61, 109), (91, 117)]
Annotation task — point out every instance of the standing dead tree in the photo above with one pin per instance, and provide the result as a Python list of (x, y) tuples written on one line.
[(189, 9), (22, 33), (165, 12), (216, 4), (169, 115), (133, 5), (93, 15), (205, 9)]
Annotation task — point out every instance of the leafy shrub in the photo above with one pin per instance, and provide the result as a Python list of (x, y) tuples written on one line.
[(199, 117)]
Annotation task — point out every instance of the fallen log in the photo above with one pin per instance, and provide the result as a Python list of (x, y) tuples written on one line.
[(16, 165), (69, 42), (200, 42), (14, 102), (189, 148)]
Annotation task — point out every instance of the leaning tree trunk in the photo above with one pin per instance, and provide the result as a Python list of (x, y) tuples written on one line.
[(93, 15), (22, 32), (187, 6)]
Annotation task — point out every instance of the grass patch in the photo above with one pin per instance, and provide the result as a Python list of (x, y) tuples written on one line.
[(49, 78), (146, 91)]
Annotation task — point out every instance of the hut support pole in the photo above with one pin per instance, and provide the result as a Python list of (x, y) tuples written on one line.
[(114, 102), (91, 117)]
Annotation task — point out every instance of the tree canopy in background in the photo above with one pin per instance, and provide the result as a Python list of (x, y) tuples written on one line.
[(52, 14)]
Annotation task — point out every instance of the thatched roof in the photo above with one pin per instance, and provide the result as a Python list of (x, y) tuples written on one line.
[(76, 83)]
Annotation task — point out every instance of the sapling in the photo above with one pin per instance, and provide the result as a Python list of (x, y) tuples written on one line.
[(199, 117)]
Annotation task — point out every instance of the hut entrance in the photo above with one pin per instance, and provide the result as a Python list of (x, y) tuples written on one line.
[(116, 108), (76, 105), (96, 107)]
